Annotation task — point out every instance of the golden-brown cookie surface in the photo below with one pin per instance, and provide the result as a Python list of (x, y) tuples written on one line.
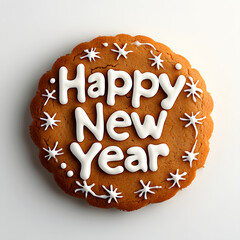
[(90, 123)]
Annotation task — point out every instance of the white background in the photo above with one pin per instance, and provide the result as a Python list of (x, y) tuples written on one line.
[(34, 34)]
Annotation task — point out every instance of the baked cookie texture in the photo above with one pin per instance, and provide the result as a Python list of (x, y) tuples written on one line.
[(186, 130)]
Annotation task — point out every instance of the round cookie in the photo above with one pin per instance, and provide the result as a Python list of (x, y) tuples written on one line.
[(122, 122)]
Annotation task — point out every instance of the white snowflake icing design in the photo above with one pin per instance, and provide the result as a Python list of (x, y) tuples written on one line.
[(91, 55), (146, 189), (85, 188), (193, 90), (48, 95), (49, 121), (121, 51), (176, 178), (113, 194), (137, 43), (52, 153), (190, 155), (156, 60), (193, 121)]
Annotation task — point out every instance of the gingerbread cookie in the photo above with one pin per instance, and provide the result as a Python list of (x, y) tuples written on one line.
[(122, 122)]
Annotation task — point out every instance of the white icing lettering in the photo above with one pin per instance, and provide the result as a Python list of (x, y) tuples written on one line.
[(139, 91), (113, 90), (97, 89), (114, 153), (113, 122), (149, 126), (154, 151), (82, 120), (105, 157), (137, 154), (172, 92), (78, 83), (85, 159)]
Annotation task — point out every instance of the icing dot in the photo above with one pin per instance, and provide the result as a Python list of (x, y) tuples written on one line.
[(178, 66), (105, 44), (63, 165), (70, 173), (52, 80)]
